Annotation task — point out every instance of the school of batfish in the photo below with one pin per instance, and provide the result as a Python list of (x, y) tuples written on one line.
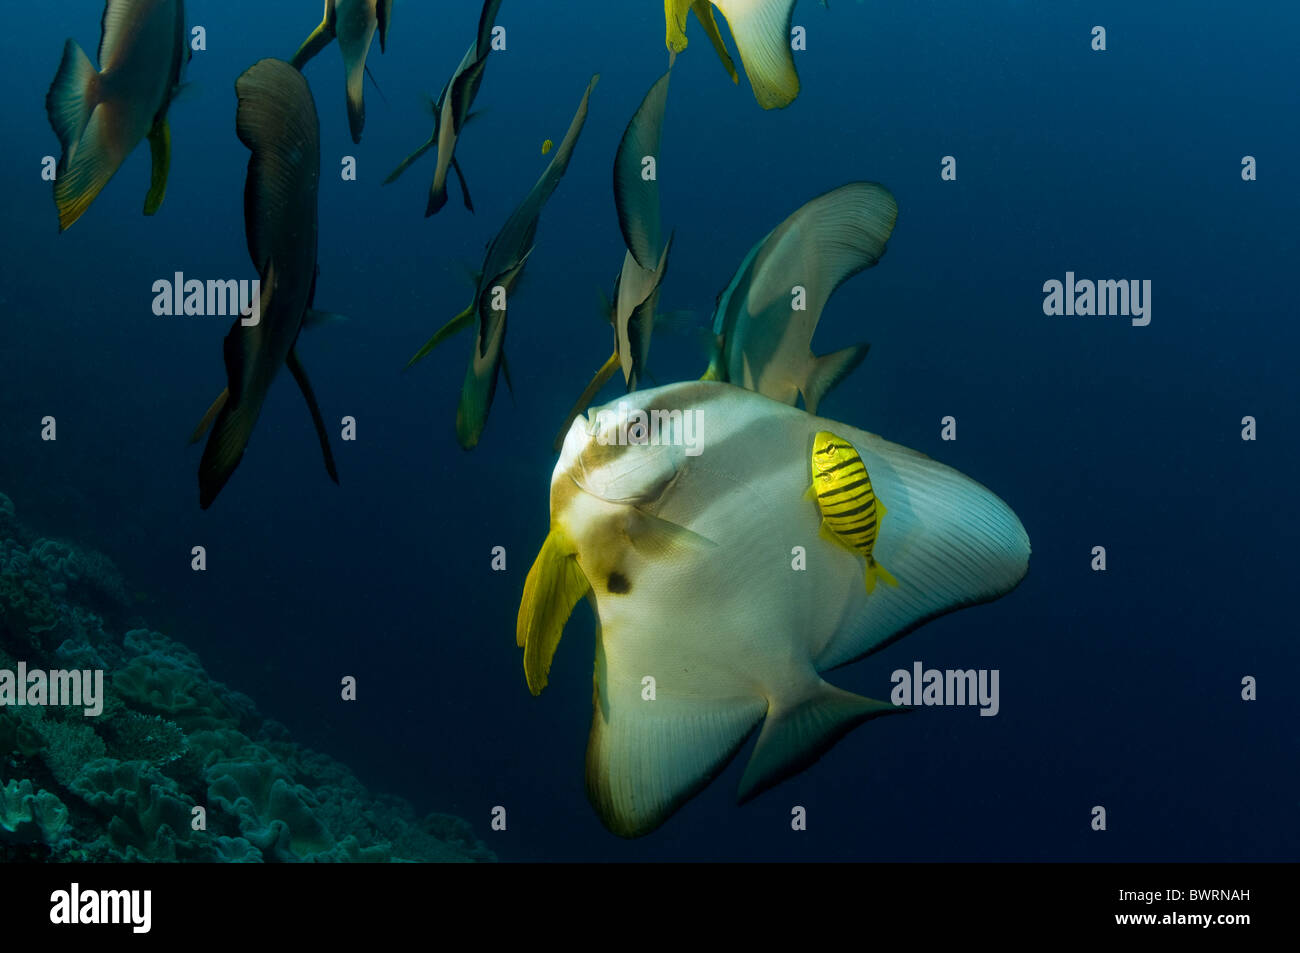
[(675, 521)]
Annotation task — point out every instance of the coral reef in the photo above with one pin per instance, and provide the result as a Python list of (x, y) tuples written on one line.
[(177, 766)]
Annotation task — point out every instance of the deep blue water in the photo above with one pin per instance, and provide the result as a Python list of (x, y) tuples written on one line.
[(1118, 688)]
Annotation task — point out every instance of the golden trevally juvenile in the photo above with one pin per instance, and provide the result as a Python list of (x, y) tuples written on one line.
[(101, 116), (502, 266), (451, 111), (764, 340), (761, 29), (683, 545), (851, 512), (276, 119), (636, 290), (354, 24)]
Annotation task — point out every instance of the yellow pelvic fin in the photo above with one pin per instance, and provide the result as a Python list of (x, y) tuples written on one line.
[(554, 585), (675, 20)]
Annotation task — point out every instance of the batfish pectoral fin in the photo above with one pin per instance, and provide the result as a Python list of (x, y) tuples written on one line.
[(554, 585), (825, 372), (317, 41), (656, 538), (160, 150), (600, 380), (406, 163), (210, 416), (796, 735), (454, 326)]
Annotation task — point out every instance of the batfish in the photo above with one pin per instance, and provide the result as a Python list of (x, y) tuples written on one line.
[(636, 290), (277, 121), (101, 116), (451, 113), (678, 527), (354, 23), (502, 265)]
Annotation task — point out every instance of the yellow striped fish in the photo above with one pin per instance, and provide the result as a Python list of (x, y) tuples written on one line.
[(851, 514)]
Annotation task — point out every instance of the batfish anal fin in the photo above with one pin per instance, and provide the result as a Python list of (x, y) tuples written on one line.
[(645, 760), (300, 375), (160, 151), (554, 585), (794, 736), (505, 369), (464, 189)]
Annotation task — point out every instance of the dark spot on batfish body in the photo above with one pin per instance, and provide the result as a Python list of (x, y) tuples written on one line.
[(619, 584)]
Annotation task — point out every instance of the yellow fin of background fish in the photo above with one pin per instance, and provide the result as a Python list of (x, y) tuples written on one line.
[(160, 150), (554, 586)]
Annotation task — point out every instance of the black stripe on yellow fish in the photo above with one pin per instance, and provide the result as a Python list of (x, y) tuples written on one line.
[(850, 511)]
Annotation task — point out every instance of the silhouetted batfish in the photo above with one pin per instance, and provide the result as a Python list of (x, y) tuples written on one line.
[(100, 117), (277, 121), (502, 265), (766, 316), (636, 291), (681, 538), (354, 23), (451, 111)]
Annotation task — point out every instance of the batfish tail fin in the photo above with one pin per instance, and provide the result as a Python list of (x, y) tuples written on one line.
[(645, 759), (795, 735), (234, 421), (825, 372), (88, 130), (554, 585)]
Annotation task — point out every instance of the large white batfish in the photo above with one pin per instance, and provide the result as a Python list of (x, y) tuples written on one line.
[(684, 544)]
